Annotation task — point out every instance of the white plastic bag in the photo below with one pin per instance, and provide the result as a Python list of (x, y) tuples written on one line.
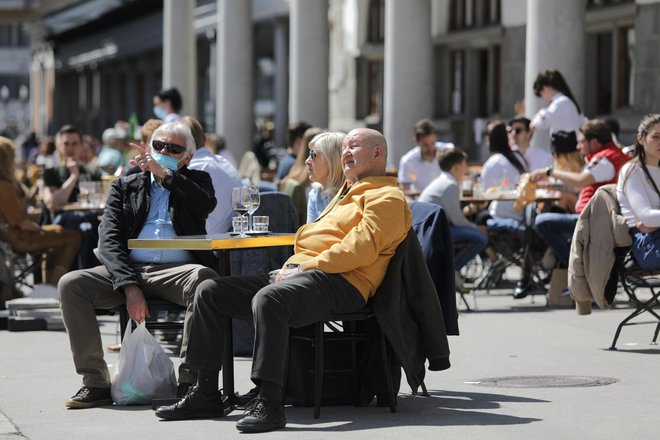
[(144, 371)]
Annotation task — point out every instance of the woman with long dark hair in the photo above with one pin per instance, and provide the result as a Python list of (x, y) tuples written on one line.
[(502, 170), (639, 194), (563, 111)]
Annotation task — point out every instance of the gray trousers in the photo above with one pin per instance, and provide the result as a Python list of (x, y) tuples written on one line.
[(82, 291), (300, 300)]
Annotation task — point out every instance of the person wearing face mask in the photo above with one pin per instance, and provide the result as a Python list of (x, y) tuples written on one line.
[(168, 104), (164, 200)]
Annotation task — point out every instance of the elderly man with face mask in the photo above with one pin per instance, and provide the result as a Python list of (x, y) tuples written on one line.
[(164, 200)]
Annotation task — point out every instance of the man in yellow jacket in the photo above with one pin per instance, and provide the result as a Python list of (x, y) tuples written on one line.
[(340, 260)]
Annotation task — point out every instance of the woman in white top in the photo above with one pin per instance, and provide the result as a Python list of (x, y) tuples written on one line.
[(563, 112), (639, 194), (325, 170), (501, 171)]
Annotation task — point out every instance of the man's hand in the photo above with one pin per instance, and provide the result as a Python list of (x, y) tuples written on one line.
[(136, 305), (146, 162), (73, 166), (645, 229), (285, 273)]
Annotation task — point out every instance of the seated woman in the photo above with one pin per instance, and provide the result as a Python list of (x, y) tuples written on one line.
[(566, 158), (325, 170), (445, 191), (24, 235), (501, 172), (296, 183), (639, 194)]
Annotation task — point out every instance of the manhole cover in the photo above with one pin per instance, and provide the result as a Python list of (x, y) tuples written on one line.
[(544, 381)]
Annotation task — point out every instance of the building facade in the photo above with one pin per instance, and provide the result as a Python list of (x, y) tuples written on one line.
[(342, 63)]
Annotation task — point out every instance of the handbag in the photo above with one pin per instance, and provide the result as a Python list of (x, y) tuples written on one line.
[(144, 371)]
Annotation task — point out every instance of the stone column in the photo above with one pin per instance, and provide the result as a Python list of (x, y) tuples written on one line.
[(180, 52), (408, 93), (281, 52), (234, 107), (309, 62), (555, 40)]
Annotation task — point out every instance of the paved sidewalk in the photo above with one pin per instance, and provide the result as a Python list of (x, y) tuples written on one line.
[(502, 338)]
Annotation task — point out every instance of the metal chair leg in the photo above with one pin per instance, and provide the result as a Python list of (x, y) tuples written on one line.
[(318, 370)]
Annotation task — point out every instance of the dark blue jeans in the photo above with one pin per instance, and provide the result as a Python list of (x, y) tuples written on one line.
[(476, 242), (646, 248), (557, 231)]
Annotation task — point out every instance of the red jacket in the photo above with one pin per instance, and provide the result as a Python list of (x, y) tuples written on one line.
[(616, 157)]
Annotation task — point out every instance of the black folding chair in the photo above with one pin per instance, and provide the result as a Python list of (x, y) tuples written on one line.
[(632, 277)]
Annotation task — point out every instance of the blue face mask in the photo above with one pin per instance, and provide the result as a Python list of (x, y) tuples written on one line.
[(160, 112), (166, 161)]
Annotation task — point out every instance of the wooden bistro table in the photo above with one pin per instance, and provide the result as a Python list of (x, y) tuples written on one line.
[(226, 243)]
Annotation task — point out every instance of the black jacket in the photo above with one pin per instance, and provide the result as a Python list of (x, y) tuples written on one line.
[(191, 200), (407, 308)]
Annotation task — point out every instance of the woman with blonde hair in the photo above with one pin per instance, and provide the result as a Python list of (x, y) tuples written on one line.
[(24, 235), (298, 171), (325, 170)]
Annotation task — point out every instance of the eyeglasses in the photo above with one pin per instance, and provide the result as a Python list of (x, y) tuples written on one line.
[(313, 154), (171, 147), (516, 130)]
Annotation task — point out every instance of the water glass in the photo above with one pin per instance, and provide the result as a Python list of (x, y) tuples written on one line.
[(260, 223), (239, 224)]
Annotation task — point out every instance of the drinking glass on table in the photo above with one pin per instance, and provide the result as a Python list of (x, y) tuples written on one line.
[(240, 202), (254, 200)]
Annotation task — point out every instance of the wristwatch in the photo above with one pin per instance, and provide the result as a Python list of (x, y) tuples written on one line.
[(548, 171), (169, 175)]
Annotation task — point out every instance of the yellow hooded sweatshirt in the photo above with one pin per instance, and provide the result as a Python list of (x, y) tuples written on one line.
[(357, 234)]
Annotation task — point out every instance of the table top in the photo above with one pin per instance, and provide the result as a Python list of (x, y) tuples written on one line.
[(77, 206), (542, 195), (214, 242)]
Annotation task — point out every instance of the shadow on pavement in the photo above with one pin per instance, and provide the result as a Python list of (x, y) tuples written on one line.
[(442, 408)]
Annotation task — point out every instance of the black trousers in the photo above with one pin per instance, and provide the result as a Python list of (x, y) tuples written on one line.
[(300, 300)]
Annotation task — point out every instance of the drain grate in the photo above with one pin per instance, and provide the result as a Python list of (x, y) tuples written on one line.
[(544, 381)]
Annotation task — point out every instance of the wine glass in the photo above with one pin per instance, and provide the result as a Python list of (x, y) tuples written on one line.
[(254, 200), (240, 202)]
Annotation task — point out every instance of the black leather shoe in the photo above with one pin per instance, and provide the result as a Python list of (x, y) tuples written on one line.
[(195, 405), (520, 291), (243, 400), (89, 397), (262, 415)]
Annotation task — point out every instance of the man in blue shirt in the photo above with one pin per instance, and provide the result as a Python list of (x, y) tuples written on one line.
[(165, 200)]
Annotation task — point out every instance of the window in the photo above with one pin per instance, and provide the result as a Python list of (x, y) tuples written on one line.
[(614, 66), (457, 66), (370, 98), (466, 14), (376, 22)]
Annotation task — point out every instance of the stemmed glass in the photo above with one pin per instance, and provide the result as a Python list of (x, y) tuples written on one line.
[(240, 202), (254, 200)]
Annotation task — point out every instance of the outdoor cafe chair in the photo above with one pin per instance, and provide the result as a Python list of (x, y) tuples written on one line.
[(632, 279)]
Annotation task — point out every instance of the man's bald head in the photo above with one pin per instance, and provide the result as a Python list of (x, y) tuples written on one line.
[(364, 154)]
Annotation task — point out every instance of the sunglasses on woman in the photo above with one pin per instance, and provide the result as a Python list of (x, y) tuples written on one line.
[(313, 154), (171, 147)]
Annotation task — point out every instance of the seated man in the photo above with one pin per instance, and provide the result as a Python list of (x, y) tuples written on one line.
[(164, 200), (603, 162), (339, 261), (62, 187), (419, 166), (445, 191), (223, 175)]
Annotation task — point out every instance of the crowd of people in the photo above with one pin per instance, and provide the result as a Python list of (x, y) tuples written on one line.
[(177, 180)]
